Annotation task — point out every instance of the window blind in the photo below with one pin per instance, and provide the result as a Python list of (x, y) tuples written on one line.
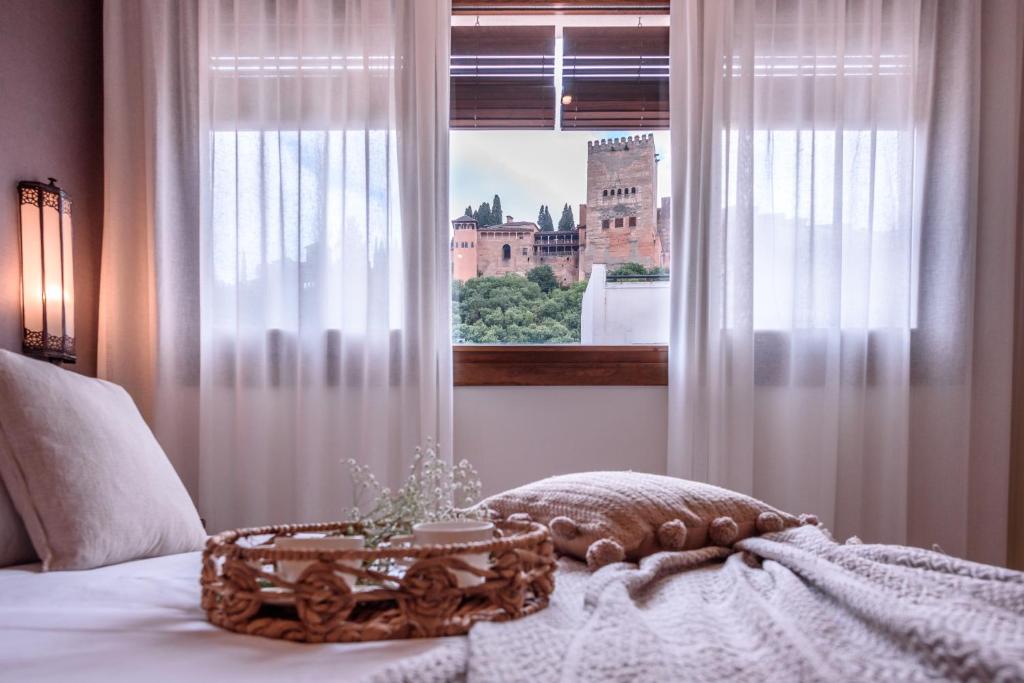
[(503, 77), (615, 78)]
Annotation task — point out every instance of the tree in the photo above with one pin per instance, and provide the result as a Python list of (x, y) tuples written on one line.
[(497, 218), (544, 278), (567, 222), (629, 268), (469, 211), (483, 215), (544, 221), (514, 309)]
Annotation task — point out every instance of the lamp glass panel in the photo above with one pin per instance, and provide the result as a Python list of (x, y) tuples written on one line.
[(54, 294), (32, 268), (69, 279)]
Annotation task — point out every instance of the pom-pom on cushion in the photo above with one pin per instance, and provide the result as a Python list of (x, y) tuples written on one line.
[(605, 517)]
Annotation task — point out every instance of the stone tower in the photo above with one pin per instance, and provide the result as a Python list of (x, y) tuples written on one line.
[(622, 204), (464, 254)]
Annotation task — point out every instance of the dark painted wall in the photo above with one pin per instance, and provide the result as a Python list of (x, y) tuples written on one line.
[(51, 124)]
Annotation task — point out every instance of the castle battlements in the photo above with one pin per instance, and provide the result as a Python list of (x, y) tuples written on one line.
[(616, 144)]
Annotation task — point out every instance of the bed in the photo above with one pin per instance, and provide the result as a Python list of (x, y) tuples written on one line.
[(721, 586), (141, 621), (792, 605)]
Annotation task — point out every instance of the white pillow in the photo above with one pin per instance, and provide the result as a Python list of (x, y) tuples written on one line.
[(15, 546), (89, 479)]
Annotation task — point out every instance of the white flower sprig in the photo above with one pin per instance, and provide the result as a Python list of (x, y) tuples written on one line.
[(433, 492)]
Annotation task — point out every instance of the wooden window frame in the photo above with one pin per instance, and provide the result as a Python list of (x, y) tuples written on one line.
[(538, 365)]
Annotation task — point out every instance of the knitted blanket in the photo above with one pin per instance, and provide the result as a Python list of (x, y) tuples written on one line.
[(786, 606)]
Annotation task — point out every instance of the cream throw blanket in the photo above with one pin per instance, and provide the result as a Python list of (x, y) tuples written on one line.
[(787, 606)]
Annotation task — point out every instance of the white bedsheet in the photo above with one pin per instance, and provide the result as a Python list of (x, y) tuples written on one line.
[(141, 621)]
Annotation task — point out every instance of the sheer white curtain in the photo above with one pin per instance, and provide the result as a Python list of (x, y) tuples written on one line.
[(149, 275), (841, 332), (325, 273)]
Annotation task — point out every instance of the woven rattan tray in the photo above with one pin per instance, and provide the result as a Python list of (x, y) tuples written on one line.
[(241, 591)]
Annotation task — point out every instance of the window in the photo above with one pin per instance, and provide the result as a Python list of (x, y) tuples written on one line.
[(554, 178), (632, 221), (618, 222), (506, 252)]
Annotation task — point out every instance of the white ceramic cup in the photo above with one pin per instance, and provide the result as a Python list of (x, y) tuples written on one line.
[(291, 570), (454, 531)]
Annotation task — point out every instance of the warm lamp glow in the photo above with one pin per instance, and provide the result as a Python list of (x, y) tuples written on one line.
[(47, 273)]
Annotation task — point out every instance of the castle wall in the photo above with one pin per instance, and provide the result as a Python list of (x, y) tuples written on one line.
[(622, 188), (490, 260), (564, 265)]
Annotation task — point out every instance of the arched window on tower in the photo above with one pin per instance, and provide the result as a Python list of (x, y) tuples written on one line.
[(506, 252)]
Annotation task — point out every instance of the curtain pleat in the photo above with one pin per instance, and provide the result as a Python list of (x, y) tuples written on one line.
[(149, 275)]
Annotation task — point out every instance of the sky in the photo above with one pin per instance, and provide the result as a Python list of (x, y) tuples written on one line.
[(527, 168)]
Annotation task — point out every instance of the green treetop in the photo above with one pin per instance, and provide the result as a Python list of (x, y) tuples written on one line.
[(567, 222), (634, 268), (544, 221), (497, 217), (515, 309), (544, 277), (483, 215)]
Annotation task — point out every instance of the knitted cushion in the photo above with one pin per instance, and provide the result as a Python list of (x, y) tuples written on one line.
[(606, 517)]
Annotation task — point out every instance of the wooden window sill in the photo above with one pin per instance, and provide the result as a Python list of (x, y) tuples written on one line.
[(559, 365)]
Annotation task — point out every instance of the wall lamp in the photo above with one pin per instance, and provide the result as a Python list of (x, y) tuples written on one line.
[(47, 272)]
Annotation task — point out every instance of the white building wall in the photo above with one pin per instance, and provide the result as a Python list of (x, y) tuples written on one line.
[(624, 312)]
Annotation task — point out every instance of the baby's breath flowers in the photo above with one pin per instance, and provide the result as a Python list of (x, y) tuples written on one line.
[(434, 491)]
